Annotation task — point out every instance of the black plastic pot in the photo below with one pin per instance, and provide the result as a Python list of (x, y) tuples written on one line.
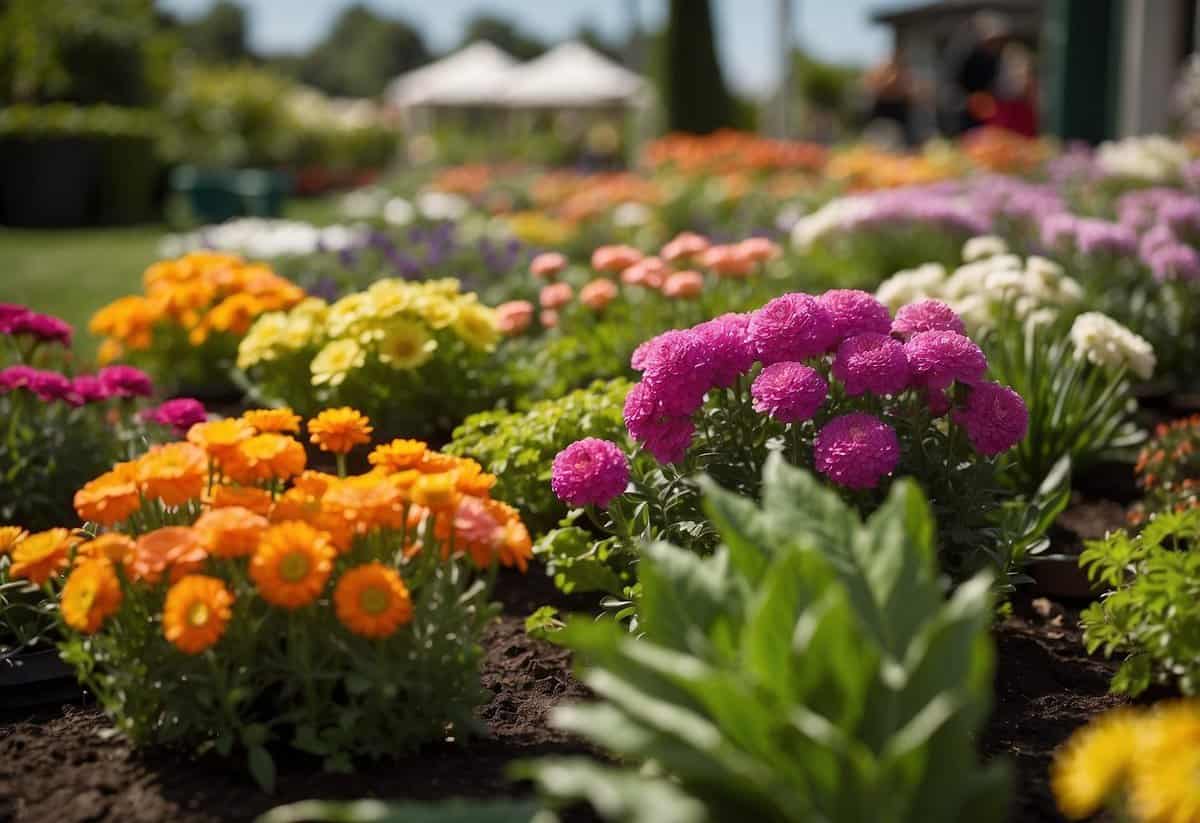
[(36, 678), (48, 182), (1058, 576)]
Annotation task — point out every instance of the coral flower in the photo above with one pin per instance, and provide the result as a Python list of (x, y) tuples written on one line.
[(683, 284), (230, 532), (41, 555), (173, 548), (598, 293), (339, 430), (727, 261), (685, 245), (614, 258), (196, 613), (438, 492), (112, 546), (110, 498), (10, 536), (292, 563), (91, 595), (398, 455), (555, 296), (372, 601), (514, 317), (548, 319), (547, 265), (758, 249), (266, 421), (174, 473), (248, 497), (220, 438)]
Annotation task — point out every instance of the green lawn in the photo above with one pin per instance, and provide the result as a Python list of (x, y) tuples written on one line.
[(71, 273)]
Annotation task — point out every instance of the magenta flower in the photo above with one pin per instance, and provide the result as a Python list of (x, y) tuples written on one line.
[(856, 450), (43, 327), (854, 312), (938, 358), (666, 436), (1174, 261), (873, 363), (87, 388), (126, 381), (50, 385), (590, 472), (791, 327), (9, 312), (789, 391), (17, 377), (728, 349), (938, 402), (926, 315), (179, 414), (995, 418), (676, 371)]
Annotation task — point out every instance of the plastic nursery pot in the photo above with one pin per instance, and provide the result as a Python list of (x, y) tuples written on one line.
[(36, 678), (1058, 576), (1107, 480)]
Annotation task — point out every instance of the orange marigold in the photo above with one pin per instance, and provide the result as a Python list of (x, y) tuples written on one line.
[(91, 595), (174, 473), (296, 504), (471, 479), (231, 531), (196, 613), (436, 491), (41, 555), (10, 536), (220, 438), (339, 430), (272, 420), (365, 502), (436, 463), (398, 455), (174, 548), (372, 601), (248, 497), (111, 546), (314, 482), (110, 498), (292, 563), (266, 457)]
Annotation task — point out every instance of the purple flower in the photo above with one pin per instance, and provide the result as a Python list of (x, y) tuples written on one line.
[(1182, 214), (590, 472), (1057, 230), (179, 414), (791, 327), (87, 388), (50, 385), (994, 417), (1100, 236), (126, 381), (856, 450), (789, 391), (938, 358), (676, 371), (728, 348), (854, 312), (926, 315), (938, 402), (45, 328), (666, 436), (1175, 261), (873, 363), (1160, 235), (8, 313)]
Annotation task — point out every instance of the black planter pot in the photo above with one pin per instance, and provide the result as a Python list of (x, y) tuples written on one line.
[(36, 678), (49, 182)]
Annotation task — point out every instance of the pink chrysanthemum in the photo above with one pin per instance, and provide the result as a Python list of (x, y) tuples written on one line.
[(17, 377), (179, 414), (995, 418), (43, 327), (791, 327), (938, 402), (729, 351), (872, 362), (87, 388), (676, 371), (9, 312), (856, 450), (926, 315), (854, 312), (126, 381), (50, 385), (938, 358), (789, 391), (590, 472), (665, 436)]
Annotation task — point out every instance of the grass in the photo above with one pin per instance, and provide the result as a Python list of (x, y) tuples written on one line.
[(71, 273)]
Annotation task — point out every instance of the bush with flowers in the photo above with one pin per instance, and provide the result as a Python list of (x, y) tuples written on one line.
[(833, 382), (1168, 470), (1139, 763), (223, 595), (185, 328), (417, 357)]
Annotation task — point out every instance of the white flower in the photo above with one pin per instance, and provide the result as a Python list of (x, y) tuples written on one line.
[(834, 216), (364, 203), (1038, 318), (398, 212), (987, 245), (908, 286), (1154, 158), (437, 205), (631, 215), (1106, 342)]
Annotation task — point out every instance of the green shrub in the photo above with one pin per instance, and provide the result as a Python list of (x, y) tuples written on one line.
[(810, 669)]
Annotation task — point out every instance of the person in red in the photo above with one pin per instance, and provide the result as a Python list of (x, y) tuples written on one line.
[(1014, 106)]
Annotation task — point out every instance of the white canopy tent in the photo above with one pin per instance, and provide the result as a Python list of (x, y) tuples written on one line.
[(571, 76), (474, 76)]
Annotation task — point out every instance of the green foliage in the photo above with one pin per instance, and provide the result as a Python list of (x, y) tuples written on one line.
[(810, 669), (362, 54), (503, 34), (697, 99), (65, 120), (1168, 469), (220, 35), (519, 447), (376, 811), (1151, 617)]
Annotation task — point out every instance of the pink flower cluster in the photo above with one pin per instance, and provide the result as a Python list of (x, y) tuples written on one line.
[(590, 472), (179, 414), (17, 320), (804, 343), (113, 381)]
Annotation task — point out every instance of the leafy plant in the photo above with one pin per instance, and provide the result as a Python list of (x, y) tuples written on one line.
[(1151, 616), (810, 669), (376, 811)]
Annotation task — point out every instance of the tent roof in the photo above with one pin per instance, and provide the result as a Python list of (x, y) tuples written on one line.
[(570, 75), (475, 75)]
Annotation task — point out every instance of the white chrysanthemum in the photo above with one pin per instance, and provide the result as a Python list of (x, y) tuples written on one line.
[(1153, 158), (1038, 318), (438, 205), (830, 218), (908, 286), (1106, 342), (632, 214), (984, 246), (398, 212)]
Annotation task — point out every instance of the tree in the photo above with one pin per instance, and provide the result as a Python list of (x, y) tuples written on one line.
[(696, 96), (220, 35), (362, 54), (503, 34)]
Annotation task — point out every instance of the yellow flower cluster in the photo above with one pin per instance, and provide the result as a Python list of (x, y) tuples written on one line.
[(202, 293), (394, 322), (238, 491), (1145, 762)]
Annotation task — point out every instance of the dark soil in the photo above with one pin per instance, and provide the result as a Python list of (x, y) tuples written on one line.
[(61, 764), (1084, 520)]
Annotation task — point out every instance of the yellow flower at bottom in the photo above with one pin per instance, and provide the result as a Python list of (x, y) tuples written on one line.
[(292, 563), (40, 556), (1094, 764), (10, 536), (339, 430), (91, 595), (1166, 772), (372, 601), (335, 361), (196, 613)]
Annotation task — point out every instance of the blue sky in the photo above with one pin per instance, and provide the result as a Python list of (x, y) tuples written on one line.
[(834, 29)]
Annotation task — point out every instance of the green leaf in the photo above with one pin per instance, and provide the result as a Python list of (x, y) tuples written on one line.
[(616, 794), (377, 811), (262, 768)]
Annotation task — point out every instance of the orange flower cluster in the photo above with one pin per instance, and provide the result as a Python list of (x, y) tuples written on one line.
[(1003, 151), (202, 293), (237, 494), (866, 168), (731, 151), (1168, 468)]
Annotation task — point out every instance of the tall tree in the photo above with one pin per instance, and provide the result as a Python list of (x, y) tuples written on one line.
[(362, 53), (220, 35), (697, 99)]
